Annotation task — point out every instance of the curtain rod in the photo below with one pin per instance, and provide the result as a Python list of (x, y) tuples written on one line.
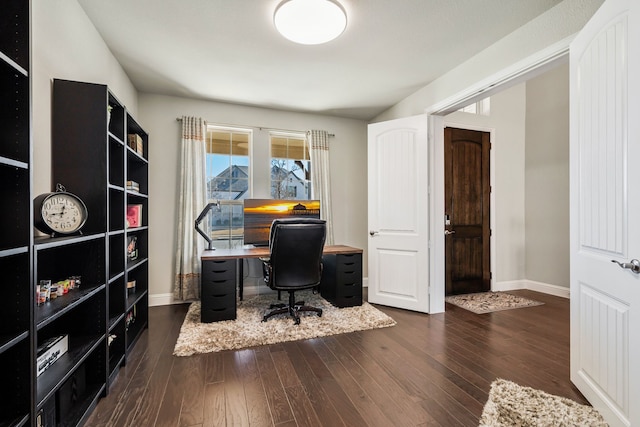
[(256, 127)]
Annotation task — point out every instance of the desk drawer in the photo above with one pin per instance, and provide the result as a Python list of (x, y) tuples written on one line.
[(216, 301), (349, 263), (217, 306), (218, 270), (217, 286), (348, 301), (348, 289), (208, 314)]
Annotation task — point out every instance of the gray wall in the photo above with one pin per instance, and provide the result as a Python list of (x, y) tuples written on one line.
[(348, 156), (547, 178)]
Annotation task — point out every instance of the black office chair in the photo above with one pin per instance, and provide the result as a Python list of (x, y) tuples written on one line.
[(295, 246)]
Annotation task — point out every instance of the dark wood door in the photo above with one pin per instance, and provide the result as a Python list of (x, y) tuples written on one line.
[(467, 195)]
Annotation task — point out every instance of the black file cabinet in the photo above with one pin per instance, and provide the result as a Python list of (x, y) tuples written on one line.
[(342, 279), (218, 290)]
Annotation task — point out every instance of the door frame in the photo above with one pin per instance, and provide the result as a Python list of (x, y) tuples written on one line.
[(519, 72)]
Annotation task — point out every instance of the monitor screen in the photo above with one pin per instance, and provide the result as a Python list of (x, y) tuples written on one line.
[(260, 213)]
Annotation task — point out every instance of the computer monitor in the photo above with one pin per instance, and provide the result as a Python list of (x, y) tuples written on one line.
[(260, 213)]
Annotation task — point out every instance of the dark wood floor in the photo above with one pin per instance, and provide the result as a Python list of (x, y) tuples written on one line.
[(427, 370)]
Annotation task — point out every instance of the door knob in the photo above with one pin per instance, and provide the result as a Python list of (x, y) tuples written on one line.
[(633, 265), (447, 232), (373, 233)]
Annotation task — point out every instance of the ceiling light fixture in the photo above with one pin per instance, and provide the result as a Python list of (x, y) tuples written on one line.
[(310, 21)]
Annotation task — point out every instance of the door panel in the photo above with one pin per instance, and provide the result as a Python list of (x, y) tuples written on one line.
[(398, 217), (605, 207), (467, 211)]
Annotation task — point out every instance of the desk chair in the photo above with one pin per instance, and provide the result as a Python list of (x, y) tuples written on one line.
[(295, 262)]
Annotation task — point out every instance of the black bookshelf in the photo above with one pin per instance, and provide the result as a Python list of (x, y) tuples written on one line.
[(16, 235), (102, 319)]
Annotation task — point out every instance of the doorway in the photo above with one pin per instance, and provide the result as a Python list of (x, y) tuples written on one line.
[(467, 211)]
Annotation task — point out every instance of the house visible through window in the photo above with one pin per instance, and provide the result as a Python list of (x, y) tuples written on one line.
[(290, 166), (228, 180)]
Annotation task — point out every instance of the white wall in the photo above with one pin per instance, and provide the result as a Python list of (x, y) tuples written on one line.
[(66, 45), (547, 178), (158, 115), (507, 120)]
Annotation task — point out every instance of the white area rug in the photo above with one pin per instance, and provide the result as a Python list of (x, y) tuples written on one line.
[(510, 405), (248, 330), (487, 302)]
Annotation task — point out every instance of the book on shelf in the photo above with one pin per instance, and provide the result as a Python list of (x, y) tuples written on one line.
[(50, 351), (136, 143), (132, 185), (134, 215), (132, 249)]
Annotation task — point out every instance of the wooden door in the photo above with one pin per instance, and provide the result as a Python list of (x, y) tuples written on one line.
[(398, 213), (605, 211), (467, 222)]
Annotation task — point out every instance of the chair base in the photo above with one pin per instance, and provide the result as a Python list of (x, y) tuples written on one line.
[(293, 308)]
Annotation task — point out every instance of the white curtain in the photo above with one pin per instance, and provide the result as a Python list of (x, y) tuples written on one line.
[(193, 198), (321, 177)]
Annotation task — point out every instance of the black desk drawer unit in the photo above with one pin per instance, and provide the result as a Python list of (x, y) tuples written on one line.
[(342, 279), (218, 291)]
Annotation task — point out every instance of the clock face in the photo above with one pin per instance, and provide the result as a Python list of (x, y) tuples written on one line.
[(63, 213)]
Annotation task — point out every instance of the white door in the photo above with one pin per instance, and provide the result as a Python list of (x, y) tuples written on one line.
[(605, 211), (398, 217)]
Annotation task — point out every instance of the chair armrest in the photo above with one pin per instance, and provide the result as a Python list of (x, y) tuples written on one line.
[(266, 269)]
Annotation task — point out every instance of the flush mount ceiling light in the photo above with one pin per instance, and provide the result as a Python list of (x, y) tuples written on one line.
[(310, 21)]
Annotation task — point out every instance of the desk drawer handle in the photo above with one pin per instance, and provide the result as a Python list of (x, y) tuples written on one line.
[(219, 271), (219, 295), (349, 284), (219, 281), (348, 263)]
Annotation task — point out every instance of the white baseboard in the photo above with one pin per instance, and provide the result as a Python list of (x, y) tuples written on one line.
[(161, 299), (545, 288)]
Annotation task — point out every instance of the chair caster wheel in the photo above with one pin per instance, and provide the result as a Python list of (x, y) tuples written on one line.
[(320, 314), (264, 318), (297, 322)]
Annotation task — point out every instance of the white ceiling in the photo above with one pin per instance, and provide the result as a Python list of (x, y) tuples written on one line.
[(229, 50)]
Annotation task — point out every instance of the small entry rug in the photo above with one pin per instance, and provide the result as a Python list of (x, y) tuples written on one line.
[(511, 404), (487, 302), (248, 330)]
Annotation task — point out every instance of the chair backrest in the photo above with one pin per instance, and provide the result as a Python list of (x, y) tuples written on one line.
[(296, 246)]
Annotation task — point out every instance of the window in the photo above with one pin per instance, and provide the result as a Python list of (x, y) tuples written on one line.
[(482, 108), (228, 180), (290, 166)]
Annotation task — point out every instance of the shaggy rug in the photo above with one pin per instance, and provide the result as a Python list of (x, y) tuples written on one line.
[(486, 302), (248, 330), (510, 404)]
